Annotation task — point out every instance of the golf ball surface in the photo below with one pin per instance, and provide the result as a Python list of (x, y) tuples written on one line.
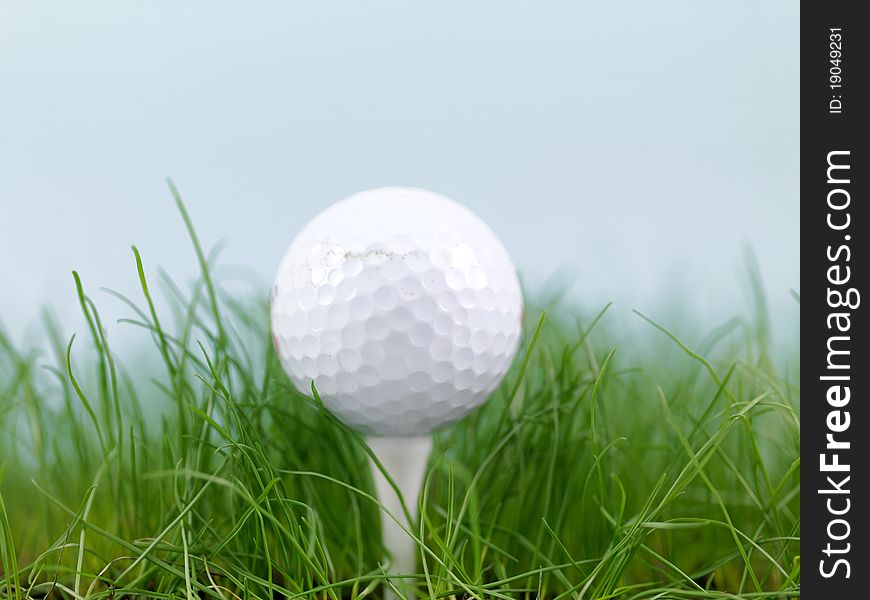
[(401, 305)]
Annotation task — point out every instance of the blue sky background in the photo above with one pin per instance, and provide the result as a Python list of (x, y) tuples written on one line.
[(637, 145)]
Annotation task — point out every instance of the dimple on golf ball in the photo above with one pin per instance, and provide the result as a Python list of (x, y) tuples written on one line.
[(401, 305)]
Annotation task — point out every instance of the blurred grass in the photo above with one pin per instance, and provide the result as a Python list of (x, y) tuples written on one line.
[(608, 465)]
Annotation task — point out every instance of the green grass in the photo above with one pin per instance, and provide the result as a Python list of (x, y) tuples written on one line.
[(616, 461)]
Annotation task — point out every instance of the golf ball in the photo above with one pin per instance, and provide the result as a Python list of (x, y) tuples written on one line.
[(401, 305)]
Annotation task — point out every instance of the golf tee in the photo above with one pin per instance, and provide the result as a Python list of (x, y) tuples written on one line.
[(404, 458)]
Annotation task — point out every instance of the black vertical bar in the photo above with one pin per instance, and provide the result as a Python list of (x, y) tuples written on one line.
[(835, 223)]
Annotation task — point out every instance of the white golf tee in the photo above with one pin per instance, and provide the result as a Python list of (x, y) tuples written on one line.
[(404, 458)]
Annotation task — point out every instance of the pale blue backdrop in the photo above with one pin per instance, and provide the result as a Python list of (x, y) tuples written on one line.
[(637, 144)]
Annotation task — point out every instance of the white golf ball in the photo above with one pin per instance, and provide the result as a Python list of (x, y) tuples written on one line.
[(401, 305)]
